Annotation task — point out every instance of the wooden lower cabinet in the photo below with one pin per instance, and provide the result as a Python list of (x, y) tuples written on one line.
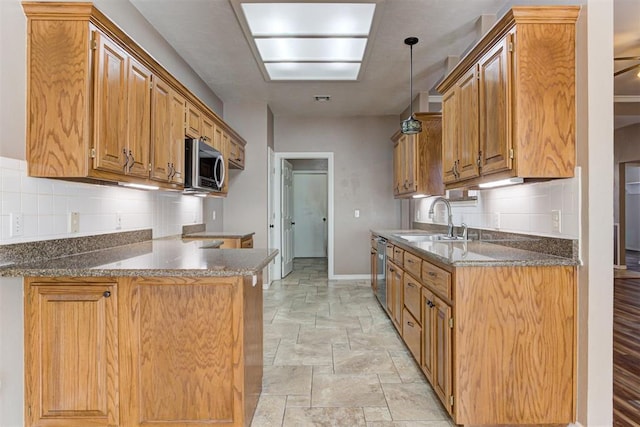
[(143, 351), (497, 343), (71, 353), (237, 243)]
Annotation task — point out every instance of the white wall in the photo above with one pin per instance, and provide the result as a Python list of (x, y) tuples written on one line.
[(524, 208), (245, 208), (363, 164), (594, 134), (11, 352)]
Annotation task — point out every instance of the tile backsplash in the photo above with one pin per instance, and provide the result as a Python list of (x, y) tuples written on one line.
[(45, 207), (526, 208)]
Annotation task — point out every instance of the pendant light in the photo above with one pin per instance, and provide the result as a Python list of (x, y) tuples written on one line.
[(411, 125)]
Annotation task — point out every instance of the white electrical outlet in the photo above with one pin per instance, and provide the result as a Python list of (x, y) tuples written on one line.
[(17, 224), (495, 220), (556, 221), (213, 215), (418, 215), (74, 222), (118, 220), (356, 213)]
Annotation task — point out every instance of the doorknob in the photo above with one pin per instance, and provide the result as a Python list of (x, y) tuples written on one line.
[(270, 225), (324, 219), (293, 223)]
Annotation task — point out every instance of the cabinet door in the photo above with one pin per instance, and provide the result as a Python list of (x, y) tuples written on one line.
[(374, 270), (450, 135), (442, 363), (398, 300), (398, 174), (226, 141), (467, 116), (194, 122), (71, 349), (176, 139), (412, 334), (428, 335), (182, 342), (160, 159), (495, 107), (391, 269), (410, 163), (110, 105), (207, 129), (138, 120)]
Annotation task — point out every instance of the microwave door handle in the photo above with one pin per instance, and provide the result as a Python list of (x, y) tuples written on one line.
[(220, 179)]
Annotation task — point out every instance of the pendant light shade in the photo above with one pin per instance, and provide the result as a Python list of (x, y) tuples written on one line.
[(411, 125)]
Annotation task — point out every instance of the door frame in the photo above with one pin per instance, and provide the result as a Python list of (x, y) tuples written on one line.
[(277, 200)]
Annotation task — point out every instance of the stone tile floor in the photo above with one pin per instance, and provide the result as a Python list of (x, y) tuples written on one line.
[(333, 358)]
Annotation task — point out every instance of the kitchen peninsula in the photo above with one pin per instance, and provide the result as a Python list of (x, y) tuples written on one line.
[(164, 330)]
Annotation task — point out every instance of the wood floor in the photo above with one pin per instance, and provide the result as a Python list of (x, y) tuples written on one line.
[(626, 352)]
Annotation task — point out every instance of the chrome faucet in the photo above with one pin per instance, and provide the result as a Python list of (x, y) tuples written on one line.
[(449, 219)]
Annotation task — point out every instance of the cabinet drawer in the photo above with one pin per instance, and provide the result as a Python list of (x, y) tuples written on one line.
[(389, 251), (412, 333), (412, 295), (398, 255), (247, 243), (438, 279), (412, 264)]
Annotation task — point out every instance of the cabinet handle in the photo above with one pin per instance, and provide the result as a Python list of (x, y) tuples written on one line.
[(391, 270), (410, 261), (432, 274), (126, 159), (411, 285), (411, 324), (430, 304), (131, 159), (106, 294)]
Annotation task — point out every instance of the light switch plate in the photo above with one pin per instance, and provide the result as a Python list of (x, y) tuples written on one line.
[(356, 213), (118, 220), (495, 220)]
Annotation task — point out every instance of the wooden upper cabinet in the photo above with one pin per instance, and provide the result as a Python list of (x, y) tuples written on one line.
[(208, 129), (517, 117), (168, 133), (71, 349), (495, 108), (110, 105), (236, 154), (193, 127), (450, 136), (89, 102), (468, 151), (418, 159)]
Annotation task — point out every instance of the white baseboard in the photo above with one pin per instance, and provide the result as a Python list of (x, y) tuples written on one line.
[(350, 277)]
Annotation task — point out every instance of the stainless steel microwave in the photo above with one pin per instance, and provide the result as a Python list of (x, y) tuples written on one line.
[(204, 167)]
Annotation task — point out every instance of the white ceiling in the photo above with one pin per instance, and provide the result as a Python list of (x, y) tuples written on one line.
[(207, 34)]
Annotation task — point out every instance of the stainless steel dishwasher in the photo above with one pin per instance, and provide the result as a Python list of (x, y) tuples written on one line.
[(381, 271)]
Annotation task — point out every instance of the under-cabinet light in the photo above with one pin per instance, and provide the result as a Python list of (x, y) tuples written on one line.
[(501, 183), (419, 196), (138, 186)]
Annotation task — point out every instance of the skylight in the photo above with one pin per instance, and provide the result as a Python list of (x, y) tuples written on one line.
[(309, 41)]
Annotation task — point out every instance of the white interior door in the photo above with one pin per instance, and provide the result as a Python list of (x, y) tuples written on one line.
[(310, 214), (287, 217), (271, 233)]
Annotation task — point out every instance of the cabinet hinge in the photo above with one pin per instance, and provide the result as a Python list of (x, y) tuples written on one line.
[(451, 400), (510, 46), (29, 411), (511, 153), (149, 166), (150, 85), (94, 44), (93, 153), (451, 322)]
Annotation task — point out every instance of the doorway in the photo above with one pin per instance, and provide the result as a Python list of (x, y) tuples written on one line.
[(627, 229), (313, 222), (310, 212)]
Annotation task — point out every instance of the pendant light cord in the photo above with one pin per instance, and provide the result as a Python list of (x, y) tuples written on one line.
[(410, 80)]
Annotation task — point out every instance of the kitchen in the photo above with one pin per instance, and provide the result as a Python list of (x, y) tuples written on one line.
[(255, 122)]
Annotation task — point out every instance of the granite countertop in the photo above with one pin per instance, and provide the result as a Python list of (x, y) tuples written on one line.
[(217, 235), (161, 257), (473, 253)]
